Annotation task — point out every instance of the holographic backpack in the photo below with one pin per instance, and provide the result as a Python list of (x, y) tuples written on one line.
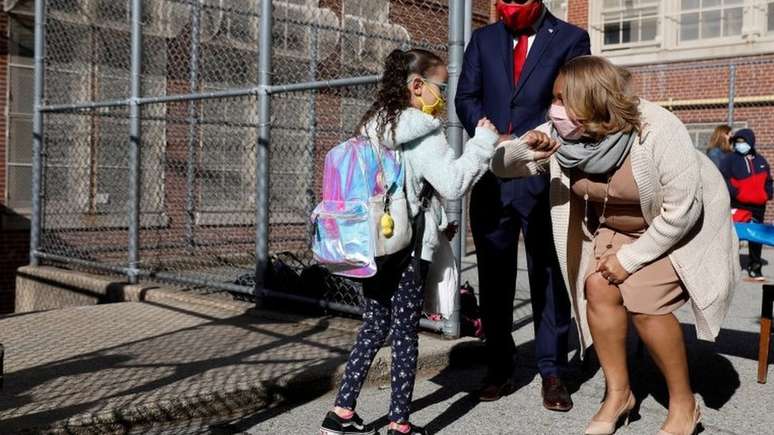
[(364, 214)]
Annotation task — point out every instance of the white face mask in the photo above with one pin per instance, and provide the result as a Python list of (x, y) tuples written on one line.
[(742, 147)]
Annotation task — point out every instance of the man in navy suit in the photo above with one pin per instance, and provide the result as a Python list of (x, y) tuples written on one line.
[(507, 76)]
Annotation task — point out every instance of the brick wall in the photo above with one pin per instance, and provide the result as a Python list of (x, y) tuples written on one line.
[(709, 79), (578, 12), (407, 13)]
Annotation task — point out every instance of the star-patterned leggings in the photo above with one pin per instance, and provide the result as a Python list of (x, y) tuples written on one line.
[(395, 313)]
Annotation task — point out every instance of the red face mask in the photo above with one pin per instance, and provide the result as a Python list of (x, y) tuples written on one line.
[(518, 17)]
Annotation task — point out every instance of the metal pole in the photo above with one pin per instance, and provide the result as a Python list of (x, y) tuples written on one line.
[(463, 229), (454, 132), (37, 132), (135, 143), (262, 152), (731, 93), (309, 194), (468, 21), (190, 203)]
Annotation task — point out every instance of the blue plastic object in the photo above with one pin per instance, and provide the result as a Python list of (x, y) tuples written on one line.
[(757, 233)]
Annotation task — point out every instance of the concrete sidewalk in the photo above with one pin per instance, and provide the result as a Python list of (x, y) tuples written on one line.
[(186, 364), (723, 375), (115, 367)]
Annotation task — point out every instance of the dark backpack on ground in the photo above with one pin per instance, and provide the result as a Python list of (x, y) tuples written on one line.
[(470, 315)]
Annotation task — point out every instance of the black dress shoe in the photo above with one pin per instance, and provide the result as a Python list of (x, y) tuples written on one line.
[(555, 395)]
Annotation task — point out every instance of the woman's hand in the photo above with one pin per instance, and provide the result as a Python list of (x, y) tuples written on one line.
[(539, 142), (611, 269), (487, 124)]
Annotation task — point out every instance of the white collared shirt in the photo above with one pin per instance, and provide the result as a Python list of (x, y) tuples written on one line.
[(535, 29), (530, 40)]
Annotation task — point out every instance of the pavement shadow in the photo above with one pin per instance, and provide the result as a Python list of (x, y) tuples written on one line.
[(713, 376), (115, 375), (467, 357)]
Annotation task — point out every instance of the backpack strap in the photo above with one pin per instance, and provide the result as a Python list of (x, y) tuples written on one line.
[(425, 197)]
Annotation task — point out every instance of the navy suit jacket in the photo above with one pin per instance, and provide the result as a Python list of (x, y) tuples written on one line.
[(486, 87)]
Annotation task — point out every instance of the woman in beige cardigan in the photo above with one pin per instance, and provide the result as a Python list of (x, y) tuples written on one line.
[(641, 224)]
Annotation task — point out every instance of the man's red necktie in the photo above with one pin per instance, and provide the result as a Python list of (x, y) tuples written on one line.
[(519, 56)]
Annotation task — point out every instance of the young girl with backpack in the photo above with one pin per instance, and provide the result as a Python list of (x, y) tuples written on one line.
[(404, 117)]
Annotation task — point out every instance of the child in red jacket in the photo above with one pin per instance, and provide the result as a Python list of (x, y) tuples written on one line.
[(749, 182)]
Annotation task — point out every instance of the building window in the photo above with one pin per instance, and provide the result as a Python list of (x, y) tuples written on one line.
[(86, 156), (655, 31), (20, 74), (558, 8), (228, 137), (295, 130), (701, 133), (707, 19), (377, 10), (630, 22)]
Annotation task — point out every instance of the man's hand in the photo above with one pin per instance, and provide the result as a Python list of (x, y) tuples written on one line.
[(539, 142), (611, 269)]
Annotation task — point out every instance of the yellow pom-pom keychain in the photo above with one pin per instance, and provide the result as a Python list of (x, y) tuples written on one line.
[(388, 225)]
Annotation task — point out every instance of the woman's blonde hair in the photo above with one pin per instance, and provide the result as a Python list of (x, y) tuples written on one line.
[(720, 140), (598, 94)]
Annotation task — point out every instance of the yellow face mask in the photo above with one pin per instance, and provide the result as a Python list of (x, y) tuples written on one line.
[(436, 108)]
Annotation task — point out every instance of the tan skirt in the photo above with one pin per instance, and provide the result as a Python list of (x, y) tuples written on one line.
[(655, 289)]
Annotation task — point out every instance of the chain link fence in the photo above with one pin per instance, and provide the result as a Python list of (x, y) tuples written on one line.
[(738, 92), (199, 208), (166, 183)]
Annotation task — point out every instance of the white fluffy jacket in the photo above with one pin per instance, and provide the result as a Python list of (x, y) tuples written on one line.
[(684, 200), (426, 155)]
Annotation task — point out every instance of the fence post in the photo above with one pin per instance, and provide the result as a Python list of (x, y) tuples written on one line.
[(135, 142), (463, 228), (262, 152), (731, 93), (313, 65), (190, 203), (37, 132), (451, 327)]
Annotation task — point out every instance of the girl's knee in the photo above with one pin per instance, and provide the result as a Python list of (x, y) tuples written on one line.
[(377, 332), (408, 331)]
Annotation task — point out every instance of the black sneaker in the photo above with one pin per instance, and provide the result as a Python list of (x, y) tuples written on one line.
[(335, 425), (755, 274), (415, 430)]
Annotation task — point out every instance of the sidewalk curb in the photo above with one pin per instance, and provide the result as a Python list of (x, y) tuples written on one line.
[(435, 354)]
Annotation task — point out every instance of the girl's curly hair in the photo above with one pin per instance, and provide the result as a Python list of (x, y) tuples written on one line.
[(393, 96)]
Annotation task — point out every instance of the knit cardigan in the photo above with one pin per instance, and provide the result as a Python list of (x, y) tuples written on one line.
[(684, 201), (427, 156)]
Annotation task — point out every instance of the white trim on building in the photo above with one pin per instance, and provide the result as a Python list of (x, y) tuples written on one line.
[(636, 32)]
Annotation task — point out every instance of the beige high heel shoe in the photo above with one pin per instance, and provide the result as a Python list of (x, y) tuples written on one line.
[(609, 427), (696, 421)]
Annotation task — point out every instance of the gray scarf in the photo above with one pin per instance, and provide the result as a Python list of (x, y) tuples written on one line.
[(594, 157)]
